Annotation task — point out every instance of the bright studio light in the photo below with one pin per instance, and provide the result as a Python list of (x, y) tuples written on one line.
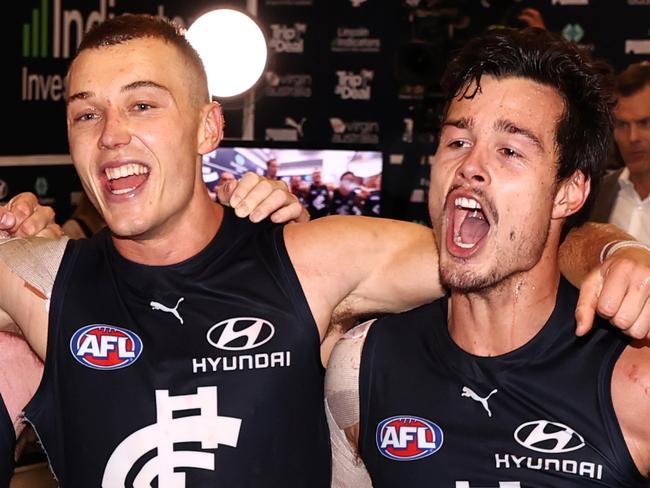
[(233, 50)]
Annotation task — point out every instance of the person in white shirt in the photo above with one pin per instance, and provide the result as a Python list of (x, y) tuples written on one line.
[(624, 198)]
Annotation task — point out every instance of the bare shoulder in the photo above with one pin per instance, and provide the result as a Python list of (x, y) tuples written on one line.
[(362, 265), (355, 230), (28, 268), (631, 398)]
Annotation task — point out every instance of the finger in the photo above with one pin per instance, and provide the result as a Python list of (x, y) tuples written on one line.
[(628, 312), (587, 302), (52, 231), (265, 204), (633, 304), (244, 186), (36, 222), (7, 219), (294, 212), (225, 191), (615, 285), (22, 208), (23, 198), (641, 327)]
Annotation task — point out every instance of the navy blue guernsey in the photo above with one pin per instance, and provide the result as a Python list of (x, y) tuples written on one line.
[(433, 415), (7, 446), (205, 373)]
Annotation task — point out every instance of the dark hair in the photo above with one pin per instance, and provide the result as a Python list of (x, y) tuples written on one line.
[(584, 131), (633, 79), (128, 27), (346, 174)]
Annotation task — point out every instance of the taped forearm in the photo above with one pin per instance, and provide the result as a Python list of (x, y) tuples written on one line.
[(35, 260), (342, 408)]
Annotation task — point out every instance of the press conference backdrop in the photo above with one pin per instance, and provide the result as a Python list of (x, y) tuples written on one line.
[(340, 71)]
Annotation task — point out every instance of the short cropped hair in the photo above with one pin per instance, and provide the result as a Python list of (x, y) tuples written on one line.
[(128, 27), (584, 131), (633, 79)]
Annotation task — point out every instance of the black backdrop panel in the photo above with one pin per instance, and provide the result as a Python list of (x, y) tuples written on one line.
[(339, 72), (39, 41), (54, 185)]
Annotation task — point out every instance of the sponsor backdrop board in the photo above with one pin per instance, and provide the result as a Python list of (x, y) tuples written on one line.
[(340, 71), (55, 184)]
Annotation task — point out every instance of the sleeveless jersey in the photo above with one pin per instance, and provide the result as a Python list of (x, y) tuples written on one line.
[(205, 373), (7, 446), (540, 416)]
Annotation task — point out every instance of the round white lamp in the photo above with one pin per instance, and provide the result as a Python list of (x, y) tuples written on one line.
[(233, 49)]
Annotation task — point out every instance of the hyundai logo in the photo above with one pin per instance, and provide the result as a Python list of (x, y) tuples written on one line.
[(240, 333), (549, 437)]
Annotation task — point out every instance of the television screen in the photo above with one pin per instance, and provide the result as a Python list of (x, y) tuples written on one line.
[(326, 181)]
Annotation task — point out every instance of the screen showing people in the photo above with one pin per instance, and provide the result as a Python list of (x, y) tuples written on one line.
[(326, 181)]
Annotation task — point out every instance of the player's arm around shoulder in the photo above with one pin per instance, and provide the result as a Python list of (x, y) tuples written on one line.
[(352, 266), (631, 398), (27, 270)]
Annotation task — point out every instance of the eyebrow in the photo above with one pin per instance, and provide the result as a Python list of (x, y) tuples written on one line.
[(84, 95), (509, 127), (633, 121), (461, 123)]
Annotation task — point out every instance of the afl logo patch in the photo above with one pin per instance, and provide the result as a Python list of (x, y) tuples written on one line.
[(407, 438), (100, 346)]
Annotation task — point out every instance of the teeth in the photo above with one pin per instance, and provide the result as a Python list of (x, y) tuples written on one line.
[(467, 203), (459, 242), (122, 191), (126, 170)]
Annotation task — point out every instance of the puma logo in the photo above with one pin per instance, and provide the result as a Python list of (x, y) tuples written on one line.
[(289, 121), (173, 311), (468, 392)]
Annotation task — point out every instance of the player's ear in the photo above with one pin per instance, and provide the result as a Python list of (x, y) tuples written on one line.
[(210, 128), (571, 195)]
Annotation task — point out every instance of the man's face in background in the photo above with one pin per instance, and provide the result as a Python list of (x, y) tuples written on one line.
[(632, 130), (272, 168)]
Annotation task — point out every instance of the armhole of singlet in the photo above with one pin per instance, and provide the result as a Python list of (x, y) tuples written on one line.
[(9, 442), (613, 427), (9, 434), (34, 406), (366, 368), (292, 286)]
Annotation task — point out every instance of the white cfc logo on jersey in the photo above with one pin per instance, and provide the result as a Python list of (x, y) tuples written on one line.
[(206, 427)]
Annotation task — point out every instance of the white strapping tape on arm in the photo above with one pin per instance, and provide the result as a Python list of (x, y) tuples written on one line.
[(35, 259), (342, 408)]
